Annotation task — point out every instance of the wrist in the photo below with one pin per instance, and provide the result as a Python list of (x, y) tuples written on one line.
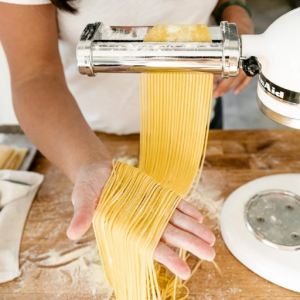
[(98, 171), (93, 161), (89, 153)]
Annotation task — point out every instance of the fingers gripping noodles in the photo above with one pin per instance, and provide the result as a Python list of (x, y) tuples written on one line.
[(137, 203)]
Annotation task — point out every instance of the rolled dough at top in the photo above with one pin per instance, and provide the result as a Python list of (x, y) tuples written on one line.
[(178, 33)]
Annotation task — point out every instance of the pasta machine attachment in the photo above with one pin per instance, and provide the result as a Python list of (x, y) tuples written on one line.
[(105, 48), (274, 55)]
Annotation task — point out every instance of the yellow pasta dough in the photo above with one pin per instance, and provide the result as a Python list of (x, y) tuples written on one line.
[(178, 33), (137, 203)]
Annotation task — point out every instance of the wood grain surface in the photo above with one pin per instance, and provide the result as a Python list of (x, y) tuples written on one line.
[(233, 158)]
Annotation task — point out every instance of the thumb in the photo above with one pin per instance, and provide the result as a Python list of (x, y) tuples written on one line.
[(84, 200)]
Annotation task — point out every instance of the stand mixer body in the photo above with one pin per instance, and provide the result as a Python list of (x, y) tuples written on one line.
[(278, 90)]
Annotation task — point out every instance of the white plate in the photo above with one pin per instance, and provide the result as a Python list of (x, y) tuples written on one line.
[(281, 267)]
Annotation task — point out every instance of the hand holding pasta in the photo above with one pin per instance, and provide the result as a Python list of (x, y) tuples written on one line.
[(184, 229)]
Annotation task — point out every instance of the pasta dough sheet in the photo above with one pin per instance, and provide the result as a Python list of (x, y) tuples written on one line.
[(12, 158), (178, 33)]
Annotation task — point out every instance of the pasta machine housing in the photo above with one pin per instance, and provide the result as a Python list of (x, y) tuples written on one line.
[(121, 49)]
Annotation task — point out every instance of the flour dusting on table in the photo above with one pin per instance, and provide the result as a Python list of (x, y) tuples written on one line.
[(74, 271), (77, 271), (207, 198), (132, 161)]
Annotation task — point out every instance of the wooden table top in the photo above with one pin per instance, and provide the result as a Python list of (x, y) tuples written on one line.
[(233, 158)]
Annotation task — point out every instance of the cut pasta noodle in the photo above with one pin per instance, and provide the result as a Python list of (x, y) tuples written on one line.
[(132, 207), (136, 204), (175, 110)]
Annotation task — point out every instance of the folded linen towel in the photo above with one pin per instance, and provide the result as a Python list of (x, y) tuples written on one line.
[(17, 191)]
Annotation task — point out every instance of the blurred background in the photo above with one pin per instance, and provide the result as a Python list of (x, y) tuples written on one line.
[(240, 112)]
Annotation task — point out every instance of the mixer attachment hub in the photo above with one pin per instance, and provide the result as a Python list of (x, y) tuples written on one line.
[(273, 216)]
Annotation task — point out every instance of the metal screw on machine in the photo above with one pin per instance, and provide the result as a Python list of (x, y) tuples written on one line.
[(260, 219)]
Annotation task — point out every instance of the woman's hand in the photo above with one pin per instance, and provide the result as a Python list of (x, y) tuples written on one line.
[(86, 193), (238, 15), (184, 230), (226, 84)]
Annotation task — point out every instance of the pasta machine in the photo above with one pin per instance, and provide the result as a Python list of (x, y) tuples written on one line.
[(274, 55)]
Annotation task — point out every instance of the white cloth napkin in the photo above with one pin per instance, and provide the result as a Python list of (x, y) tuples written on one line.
[(15, 202)]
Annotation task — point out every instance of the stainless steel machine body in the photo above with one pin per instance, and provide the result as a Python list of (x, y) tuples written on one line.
[(118, 49)]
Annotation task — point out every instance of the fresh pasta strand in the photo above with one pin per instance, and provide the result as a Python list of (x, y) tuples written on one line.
[(175, 110), (137, 203), (130, 211)]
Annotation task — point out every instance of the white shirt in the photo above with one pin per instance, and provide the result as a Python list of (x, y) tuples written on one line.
[(110, 102)]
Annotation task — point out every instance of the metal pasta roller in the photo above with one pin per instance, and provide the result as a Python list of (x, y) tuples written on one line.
[(121, 49), (274, 55)]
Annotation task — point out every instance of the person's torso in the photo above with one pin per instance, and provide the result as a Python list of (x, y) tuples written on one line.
[(110, 102)]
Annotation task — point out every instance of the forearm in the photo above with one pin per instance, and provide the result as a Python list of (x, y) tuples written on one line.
[(49, 115), (238, 15)]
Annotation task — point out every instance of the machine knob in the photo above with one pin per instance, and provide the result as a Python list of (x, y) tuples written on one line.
[(251, 66)]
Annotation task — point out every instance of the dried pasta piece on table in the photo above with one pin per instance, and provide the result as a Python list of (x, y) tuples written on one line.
[(5, 153), (22, 153), (11, 158)]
